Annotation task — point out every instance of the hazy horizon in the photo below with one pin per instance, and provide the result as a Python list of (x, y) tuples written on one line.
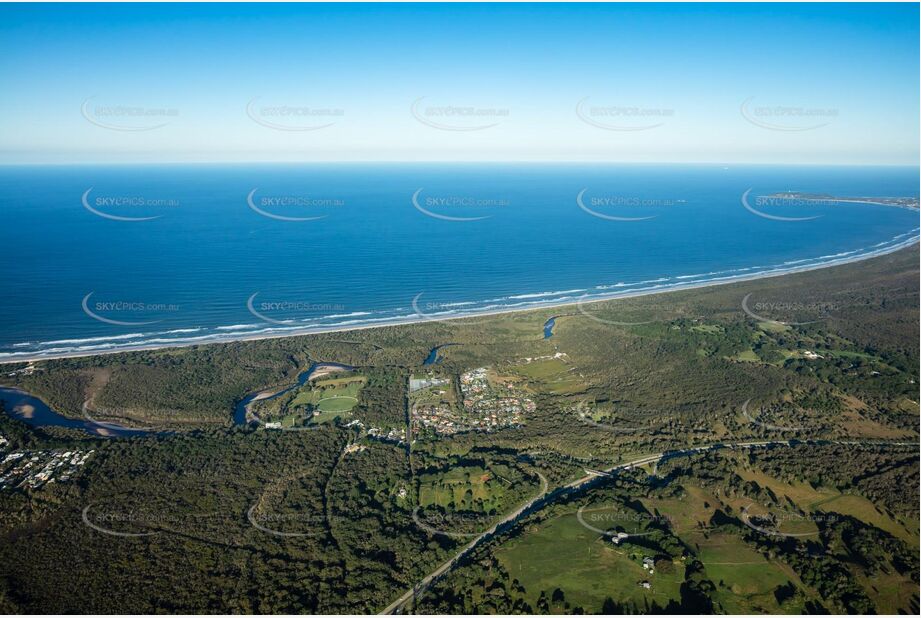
[(593, 83)]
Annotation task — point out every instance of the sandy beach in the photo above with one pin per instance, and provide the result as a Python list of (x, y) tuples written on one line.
[(420, 317)]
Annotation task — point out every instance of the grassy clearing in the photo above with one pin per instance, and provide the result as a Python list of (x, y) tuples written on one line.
[(888, 589), (337, 403), (334, 395), (690, 512), (561, 553), (830, 500), (318, 402), (773, 327), (553, 375), (470, 488), (747, 356), (745, 579), (710, 329)]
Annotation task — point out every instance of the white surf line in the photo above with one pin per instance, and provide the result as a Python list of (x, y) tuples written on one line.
[(413, 319)]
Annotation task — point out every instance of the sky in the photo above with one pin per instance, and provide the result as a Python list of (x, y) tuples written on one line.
[(727, 83)]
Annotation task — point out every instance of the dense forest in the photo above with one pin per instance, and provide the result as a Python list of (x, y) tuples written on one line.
[(204, 515)]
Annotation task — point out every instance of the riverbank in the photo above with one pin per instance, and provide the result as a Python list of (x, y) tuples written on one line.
[(242, 415), (421, 317)]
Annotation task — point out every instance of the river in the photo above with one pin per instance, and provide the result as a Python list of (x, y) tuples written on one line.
[(433, 358), (239, 411), (36, 413)]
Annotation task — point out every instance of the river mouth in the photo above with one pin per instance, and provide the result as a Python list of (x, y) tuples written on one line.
[(29, 409), (34, 412), (154, 340)]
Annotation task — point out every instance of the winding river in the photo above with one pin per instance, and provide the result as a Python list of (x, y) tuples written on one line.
[(433, 358), (36, 413), (240, 410)]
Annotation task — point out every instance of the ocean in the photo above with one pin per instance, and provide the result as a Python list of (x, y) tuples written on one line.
[(100, 258)]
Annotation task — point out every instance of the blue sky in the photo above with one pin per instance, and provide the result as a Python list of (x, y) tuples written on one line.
[(746, 83)]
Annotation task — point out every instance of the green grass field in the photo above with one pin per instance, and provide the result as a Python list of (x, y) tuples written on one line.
[(832, 501), (469, 488), (747, 356), (315, 392), (553, 374), (333, 395), (330, 398), (745, 580), (337, 403), (710, 329), (586, 566), (773, 327)]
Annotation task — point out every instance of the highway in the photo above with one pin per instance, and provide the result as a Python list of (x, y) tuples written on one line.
[(593, 476)]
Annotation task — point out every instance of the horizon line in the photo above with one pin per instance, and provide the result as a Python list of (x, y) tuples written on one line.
[(916, 164)]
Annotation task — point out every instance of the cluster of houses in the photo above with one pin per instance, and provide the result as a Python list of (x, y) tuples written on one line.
[(492, 407), (485, 407), (439, 417), (431, 411), (648, 564), (394, 434), (33, 469), (25, 371)]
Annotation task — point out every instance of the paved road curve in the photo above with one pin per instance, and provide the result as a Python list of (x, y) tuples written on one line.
[(593, 476)]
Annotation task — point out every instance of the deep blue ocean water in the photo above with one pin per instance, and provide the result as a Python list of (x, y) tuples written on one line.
[(215, 255)]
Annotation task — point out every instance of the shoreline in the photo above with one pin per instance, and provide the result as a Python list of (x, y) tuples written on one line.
[(422, 318)]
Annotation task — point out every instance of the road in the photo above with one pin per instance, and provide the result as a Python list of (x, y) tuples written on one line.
[(593, 476)]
